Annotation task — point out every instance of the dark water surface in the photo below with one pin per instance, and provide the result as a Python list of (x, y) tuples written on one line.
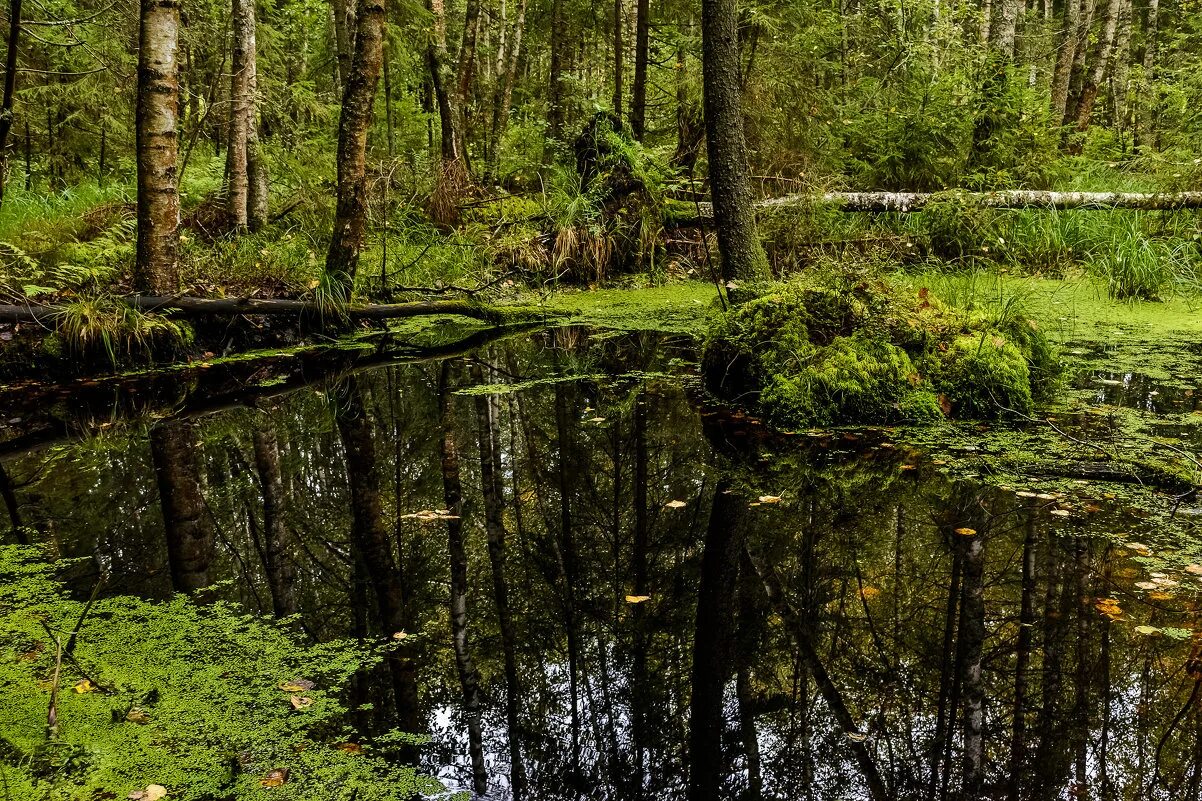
[(842, 615)]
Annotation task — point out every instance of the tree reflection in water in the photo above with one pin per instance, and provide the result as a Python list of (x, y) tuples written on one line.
[(621, 593)]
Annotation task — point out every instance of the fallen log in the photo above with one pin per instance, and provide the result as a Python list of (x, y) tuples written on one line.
[(187, 306), (881, 202)]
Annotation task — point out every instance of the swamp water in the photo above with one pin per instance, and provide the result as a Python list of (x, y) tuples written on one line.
[(873, 618)]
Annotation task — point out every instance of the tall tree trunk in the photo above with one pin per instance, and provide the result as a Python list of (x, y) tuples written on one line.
[(638, 97), (237, 184), (1102, 66), (491, 484), (371, 543), (452, 493), (1120, 75), (343, 13), (1149, 106), (507, 77), (557, 91), (453, 173), (1077, 75), (742, 254), (256, 164), (156, 265), (1066, 52), (10, 88), (465, 73), (278, 558), (619, 68), (342, 259), (187, 524)]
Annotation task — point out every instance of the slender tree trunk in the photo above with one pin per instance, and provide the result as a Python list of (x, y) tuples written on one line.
[(1066, 52), (237, 183), (452, 490), (492, 489), (156, 265), (453, 174), (466, 70), (278, 558), (742, 254), (618, 54), (506, 78), (557, 91), (343, 12), (638, 98), (342, 259), (1077, 75), (1149, 107), (258, 182), (1103, 64), (175, 453), (10, 88)]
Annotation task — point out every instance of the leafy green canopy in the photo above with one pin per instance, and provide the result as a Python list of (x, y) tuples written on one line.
[(811, 354), (202, 701)]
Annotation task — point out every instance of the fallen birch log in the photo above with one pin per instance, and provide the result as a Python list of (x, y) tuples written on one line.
[(186, 306), (880, 202)]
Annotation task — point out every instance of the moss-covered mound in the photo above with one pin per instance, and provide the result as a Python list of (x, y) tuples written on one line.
[(811, 355)]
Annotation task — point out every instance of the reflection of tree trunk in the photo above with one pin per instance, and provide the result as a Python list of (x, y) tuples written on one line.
[(370, 541), (713, 642), (640, 697), (1022, 657), (14, 509), (491, 474), (748, 638), (1049, 765), (1082, 679), (175, 452), (277, 544), (831, 695), (566, 468), (452, 492), (946, 676), (972, 630), (1105, 789)]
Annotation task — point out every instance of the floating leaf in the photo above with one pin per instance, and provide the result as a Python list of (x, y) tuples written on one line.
[(1147, 631), (637, 599), (1139, 548), (966, 532), (1147, 585), (1194, 570), (399, 635), (1026, 494), (855, 736), (275, 778), (1060, 512), (137, 715), (153, 792), (297, 685), (348, 748), (769, 499), (1161, 595), (908, 467), (675, 504), (84, 686), (299, 703)]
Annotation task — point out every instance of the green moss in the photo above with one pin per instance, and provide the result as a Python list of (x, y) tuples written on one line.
[(190, 700), (822, 353)]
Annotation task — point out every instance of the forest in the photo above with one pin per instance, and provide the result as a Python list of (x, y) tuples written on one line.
[(715, 400)]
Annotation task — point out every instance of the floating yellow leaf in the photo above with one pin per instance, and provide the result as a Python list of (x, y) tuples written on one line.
[(137, 715), (1147, 630), (299, 703), (1059, 512), (1146, 585), (908, 467), (153, 792), (637, 599), (966, 532), (675, 504), (349, 748), (769, 499), (1161, 595), (296, 685), (84, 686), (399, 635), (275, 778)]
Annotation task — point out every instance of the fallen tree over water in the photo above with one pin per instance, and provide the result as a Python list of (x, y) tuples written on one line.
[(881, 202), (188, 306)]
